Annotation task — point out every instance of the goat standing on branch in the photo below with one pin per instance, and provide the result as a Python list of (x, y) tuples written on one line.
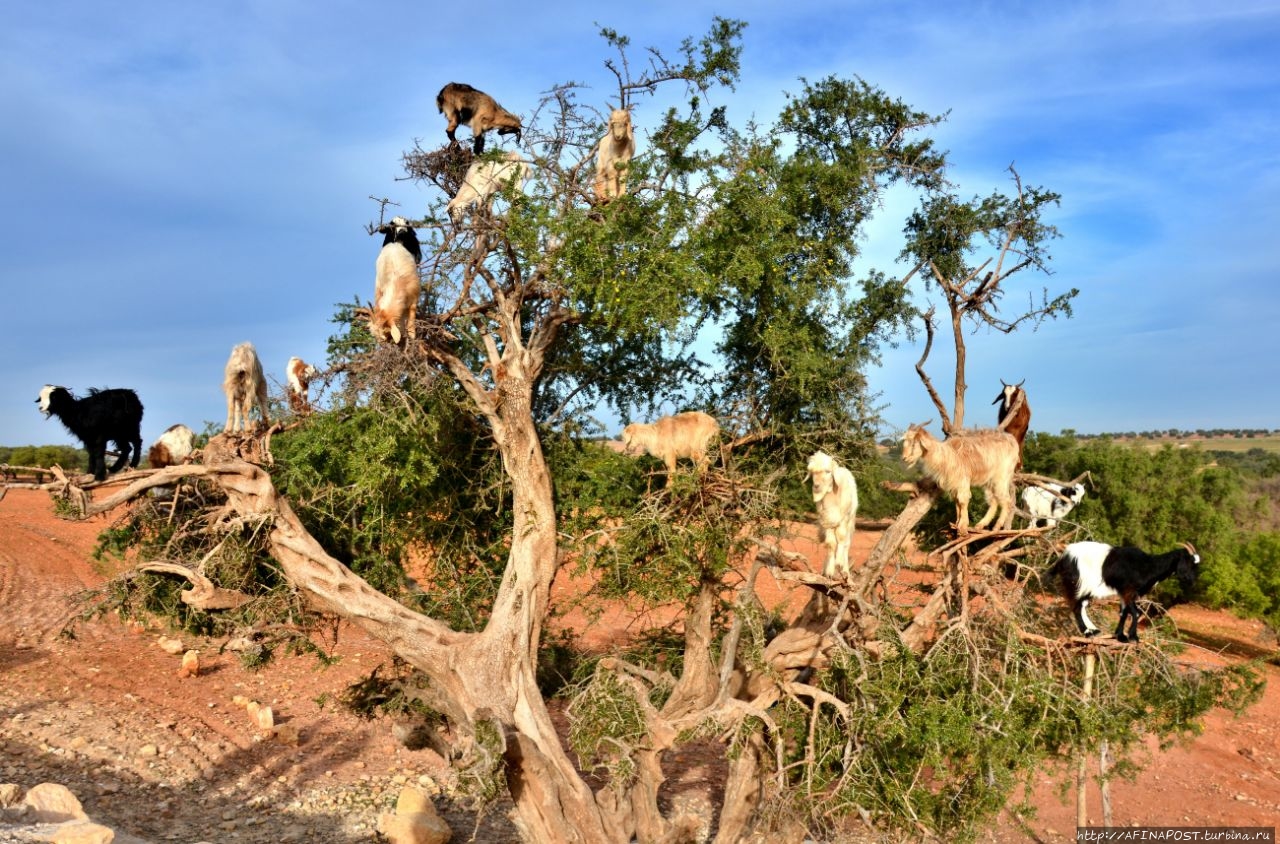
[(102, 416), (298, 374), (835, 497), (965, 459), (484, 179), (1014, 414), (1047, 502), (245, 386), (396, 286), (613, 156), (462, 104), (1093, 570), (672, 437)]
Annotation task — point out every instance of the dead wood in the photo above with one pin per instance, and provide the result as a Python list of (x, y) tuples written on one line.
[(203, 594)]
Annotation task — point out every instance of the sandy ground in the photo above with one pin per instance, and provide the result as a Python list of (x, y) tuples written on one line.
[(173, 759)]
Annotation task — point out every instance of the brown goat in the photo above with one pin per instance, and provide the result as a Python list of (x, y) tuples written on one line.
[(1014, 414), (463, 105), (984, 458)]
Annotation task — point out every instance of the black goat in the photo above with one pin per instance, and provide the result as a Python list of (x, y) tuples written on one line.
[(1092, 570), (102, 416)]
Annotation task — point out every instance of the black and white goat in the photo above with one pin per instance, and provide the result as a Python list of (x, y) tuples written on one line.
[(1093, 570), (102, 416), (1048, 502)]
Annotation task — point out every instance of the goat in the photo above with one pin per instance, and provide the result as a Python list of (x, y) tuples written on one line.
[(396, 285), (172, 448), (298, 375), (964, 459), (1049, 502), (484, 179), (462, 104), (102, 416), (613, 155), (835, 497), (1093, 570), (672, 437), (245, 386), (1014, 414)]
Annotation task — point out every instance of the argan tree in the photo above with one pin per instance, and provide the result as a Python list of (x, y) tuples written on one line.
[(548, 305)]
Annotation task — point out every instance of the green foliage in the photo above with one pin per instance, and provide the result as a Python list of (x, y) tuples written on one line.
[(69, 458), (607, 725), (943, 740), (402, 468)]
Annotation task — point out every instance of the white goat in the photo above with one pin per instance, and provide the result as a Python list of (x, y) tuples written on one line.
[(984, 458), (835, 497), (396, 285), (245, 386), (484, 178), (613, 155), (672, 437), (1049, 502), (172, 448), (298, 374)]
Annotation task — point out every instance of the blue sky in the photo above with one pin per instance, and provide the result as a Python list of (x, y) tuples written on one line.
[(180, 178)]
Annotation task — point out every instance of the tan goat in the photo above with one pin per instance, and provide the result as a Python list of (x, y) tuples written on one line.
[(965, 459), (835, 497), (245, 386), (613, 155), (463, 105), (672, 437)]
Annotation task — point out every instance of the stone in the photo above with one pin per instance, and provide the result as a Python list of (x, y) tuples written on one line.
[(10, 795), (412, 801), (286, 734), (83, 832), (415, 828), (53, 803)]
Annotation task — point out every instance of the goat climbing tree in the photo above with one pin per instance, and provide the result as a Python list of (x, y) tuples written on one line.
[(547, 306)]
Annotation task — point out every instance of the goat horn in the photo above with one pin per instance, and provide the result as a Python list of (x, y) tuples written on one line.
[(1002, 382), (1023, 381), (1191, 548)]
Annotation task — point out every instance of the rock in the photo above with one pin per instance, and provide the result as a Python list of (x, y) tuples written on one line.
[(190, 664), (53, 803), (416, 828), (148, 751), (83, 832), (265, 718), (286, 734), (171, 646), (412, 801), (10, 795)]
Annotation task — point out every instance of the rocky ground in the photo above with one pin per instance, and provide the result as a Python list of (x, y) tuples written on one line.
[(165, 758)]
